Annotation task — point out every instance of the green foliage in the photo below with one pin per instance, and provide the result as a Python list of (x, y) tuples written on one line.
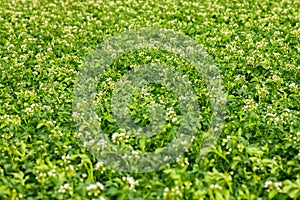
[(255, 46)]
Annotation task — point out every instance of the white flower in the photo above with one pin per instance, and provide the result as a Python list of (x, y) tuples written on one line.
[(52, 172), (186, 161), (293, 86), (216, 186), (268, 184), (66, 188), (171, 112), (144, 92), (29, 110), (176, 191), (244, 87), (95, 186), (132, 183), (250, 105), (99, 165), (166, 192), (66, 158), (174, 119), (119, 137), (263, 91), (95, 189)]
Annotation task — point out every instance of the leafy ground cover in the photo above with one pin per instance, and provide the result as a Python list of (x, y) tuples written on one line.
[(255, 46)]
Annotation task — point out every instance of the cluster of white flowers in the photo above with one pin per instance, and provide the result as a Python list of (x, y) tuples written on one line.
[(88, 142), (244, 87), (250, 60), (134, 155), (132, 183), (7, 135), (119, 137), (263, 91), (21, 84), (293, 87), (100, 167), (225, 140), (11, 119), (171, 112), (66, 158), (240, 78), (30, 110), (273, 185), (273, 118), (145, 92), (215, 187), (52, 172), (182, 161), (275, 78), (109, 84), (283, 118), (293, 138), (173, 192), (5, 116), (95, 189), (70, 168), (250, 105), (51, 123), (228, 150), (42, 175), (258, 165), (66, 188), (171, 115), (167, 158)]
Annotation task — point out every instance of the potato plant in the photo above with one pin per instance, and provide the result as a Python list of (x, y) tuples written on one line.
[(256, 47)]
